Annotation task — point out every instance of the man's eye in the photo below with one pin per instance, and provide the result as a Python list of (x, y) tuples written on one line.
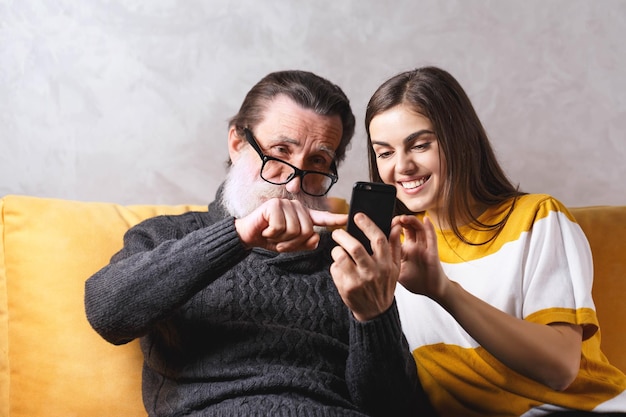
[(280, 150), (320, 162)]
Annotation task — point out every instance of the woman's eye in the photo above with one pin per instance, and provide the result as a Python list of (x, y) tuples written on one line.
[(383, 155), (420, 147)]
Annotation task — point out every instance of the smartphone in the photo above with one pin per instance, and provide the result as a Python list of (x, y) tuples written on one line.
[(377, 201)]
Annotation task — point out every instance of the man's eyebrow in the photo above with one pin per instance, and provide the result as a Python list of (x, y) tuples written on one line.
[(331, 152), (285, 139), (323, 148), (408, 139)]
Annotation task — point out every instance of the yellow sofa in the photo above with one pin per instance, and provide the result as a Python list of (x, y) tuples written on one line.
[(53, 364)]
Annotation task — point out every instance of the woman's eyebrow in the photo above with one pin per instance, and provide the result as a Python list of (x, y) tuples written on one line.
[(408, 139), (417, 134)]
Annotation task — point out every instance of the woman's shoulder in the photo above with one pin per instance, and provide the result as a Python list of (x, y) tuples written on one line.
[(522, 213), (537, 200), (538, 206)]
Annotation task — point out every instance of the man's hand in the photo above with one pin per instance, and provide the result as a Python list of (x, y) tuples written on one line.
[(285, 225), (365, 282)]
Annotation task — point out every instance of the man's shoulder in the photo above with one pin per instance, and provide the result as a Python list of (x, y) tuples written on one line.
[(184, 222)]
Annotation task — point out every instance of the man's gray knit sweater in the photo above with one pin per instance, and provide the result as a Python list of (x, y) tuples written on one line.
[(227, 331)]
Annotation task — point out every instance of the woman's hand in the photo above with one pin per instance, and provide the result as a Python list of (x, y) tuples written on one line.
[(420, 268)]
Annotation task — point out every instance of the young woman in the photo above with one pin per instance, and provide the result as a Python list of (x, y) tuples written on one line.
[(495, 298)]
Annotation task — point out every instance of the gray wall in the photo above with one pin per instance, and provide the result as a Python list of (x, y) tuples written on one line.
[(128, 100)]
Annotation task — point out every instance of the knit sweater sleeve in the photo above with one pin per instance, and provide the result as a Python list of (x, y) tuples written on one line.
[(381, 373), (165, 261)]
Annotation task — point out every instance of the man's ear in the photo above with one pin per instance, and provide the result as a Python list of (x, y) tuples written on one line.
[(236, 144)]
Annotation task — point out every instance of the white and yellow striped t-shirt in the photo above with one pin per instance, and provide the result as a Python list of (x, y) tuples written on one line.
[(538, 268)]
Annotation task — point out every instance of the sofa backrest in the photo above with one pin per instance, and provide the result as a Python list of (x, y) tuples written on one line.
[(52, 363), (605, 228)]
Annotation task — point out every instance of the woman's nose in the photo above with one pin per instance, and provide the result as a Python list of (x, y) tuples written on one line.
[(404, 163)]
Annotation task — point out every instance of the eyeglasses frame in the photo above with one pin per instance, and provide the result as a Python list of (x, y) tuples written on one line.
[(297, 172)]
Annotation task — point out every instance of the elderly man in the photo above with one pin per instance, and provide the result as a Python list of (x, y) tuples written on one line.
[(236, 308)]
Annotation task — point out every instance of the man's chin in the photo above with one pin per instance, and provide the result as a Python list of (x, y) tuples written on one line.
[(310, 202), (242, 194), (241, 204)]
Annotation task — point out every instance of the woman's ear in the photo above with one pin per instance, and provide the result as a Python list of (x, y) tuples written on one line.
[(235, 144)]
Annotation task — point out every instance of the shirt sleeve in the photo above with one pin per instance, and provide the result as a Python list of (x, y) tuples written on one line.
[(558, 270)]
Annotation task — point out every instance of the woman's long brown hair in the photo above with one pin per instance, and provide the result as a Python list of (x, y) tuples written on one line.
[(472, 174)]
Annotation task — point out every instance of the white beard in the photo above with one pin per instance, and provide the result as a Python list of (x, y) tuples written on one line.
[(245, 190)]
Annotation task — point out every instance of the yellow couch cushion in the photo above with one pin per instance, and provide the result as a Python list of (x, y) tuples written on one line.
[(605, 228), (52, 363)]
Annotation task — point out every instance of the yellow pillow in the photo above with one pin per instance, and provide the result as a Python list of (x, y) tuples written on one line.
[(52, 363)]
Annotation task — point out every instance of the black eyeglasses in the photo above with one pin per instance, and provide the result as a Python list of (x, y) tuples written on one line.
[(279, 172)]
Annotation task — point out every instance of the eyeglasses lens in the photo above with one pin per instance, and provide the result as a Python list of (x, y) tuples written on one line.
[(278, 172)]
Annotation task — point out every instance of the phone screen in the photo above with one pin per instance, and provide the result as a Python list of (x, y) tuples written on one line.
[(377, 201)]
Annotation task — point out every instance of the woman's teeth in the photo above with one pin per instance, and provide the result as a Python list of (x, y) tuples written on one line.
[(413, 184)]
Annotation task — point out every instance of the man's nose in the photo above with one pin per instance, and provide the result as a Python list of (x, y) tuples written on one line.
[(295, 185)]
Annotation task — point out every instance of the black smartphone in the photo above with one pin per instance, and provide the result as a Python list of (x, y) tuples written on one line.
[(377, 201)]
